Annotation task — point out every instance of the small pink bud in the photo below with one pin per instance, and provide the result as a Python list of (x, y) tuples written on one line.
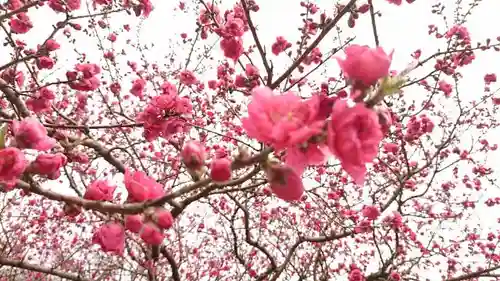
[(134, 223), (111, 237), (163, 219), (220, 170), (193, 155), (151, 235), (285, 182)]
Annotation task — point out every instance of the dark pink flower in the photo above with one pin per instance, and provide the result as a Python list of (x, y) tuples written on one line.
[(354, 135), (141, 187), (220, 170), (29, 133), (20, 23), (12, 165), (193, 155), (49, 165), (163, 218), (371, 212), (134, 223), (100, 190), (285, 183), (232, 47), (138, 88), (151, 234), (111, 237)]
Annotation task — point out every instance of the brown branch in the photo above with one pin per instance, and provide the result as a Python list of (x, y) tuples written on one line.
[(374, 25), (17, 11), (43, 269), (314, 44), (268, 68), (476, 274)]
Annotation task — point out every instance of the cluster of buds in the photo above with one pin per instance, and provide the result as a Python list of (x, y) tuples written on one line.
[(150, 225)]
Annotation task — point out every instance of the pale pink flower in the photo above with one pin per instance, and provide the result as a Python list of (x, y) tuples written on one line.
[(281, 120), (364, 64), (354, 134), (111, 237), (29, 133)]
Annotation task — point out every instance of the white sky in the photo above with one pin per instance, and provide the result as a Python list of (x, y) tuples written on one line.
[(403, 29)]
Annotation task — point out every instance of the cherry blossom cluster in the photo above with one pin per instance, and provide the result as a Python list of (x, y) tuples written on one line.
[(307, 131), (149, 225)]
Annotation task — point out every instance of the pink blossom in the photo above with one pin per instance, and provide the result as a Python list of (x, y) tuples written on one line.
[(151, 234), (280, 45), (220, 170), (84, 77), (490, 78), (169, 105), (193, 155), (49, 165), (299, 157), (138, 88), (365, 64), (11, 76), (99, 190), (141, 187), (445, 87), (29, 133), (21, 23), (354, 134), (62, 6), (187, 78), (12, 165), (41, 101), (144, 7), (395, 2), (234, 26), (281, 120), (285, 183), (163, 218), (356, 275), (45, 63), (232, 47), (52, 45), (134, 223), (111, 237), (371, 212)]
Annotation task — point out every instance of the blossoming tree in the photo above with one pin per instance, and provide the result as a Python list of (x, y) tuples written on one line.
[(119, 165)]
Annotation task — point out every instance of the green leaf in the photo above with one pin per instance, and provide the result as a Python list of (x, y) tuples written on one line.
[(392, 85), (3, 135)]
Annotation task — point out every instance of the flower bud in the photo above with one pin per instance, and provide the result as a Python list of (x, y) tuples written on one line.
[(193, 155), (285, 183), (163, 218), (220, 170)]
